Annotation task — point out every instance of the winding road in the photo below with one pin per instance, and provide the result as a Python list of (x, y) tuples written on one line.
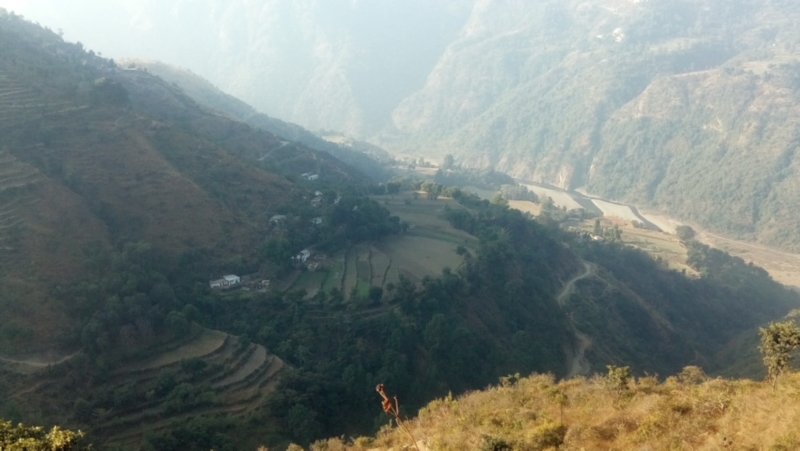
[(578, 364), (589, 270)]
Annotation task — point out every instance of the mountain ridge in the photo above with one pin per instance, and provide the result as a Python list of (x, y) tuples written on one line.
[(667, 105)]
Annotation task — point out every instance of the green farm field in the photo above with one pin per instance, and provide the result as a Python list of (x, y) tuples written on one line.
[(425, 249), (658, 244)]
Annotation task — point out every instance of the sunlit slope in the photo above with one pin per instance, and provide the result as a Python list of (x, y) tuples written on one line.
[(536, 413)]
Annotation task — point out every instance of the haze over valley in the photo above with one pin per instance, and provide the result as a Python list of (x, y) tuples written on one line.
[(224, 223)]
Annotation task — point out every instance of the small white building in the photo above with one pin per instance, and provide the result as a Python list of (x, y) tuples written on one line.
[(303, 256), (218, 283), (227, 281), (277, 219), (317, 220)]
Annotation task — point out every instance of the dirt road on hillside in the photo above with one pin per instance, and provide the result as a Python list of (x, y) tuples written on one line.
[(589, 270), (578, 364)]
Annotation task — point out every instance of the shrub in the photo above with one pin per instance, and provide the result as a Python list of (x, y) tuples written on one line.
[(494, 444), (692, 375), (618, 378), (778, 340), (548, 435)]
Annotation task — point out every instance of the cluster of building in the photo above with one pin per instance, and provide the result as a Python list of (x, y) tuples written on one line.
[(310, 261), (247, 282)]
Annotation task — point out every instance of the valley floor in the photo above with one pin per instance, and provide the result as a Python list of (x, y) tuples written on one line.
[(784, 267)]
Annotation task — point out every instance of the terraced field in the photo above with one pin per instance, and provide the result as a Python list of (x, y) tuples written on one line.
[(19, 102), (205, 373), (234, 378), (424, 250), (16, 182)]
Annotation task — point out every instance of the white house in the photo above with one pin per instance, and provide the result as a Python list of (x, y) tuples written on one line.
[(317, 220), (277, 219), (226, 281), (303, 256), (219, 283)]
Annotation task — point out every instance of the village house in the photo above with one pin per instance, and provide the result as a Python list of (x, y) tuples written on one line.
[(317, 220), (316, 202), (277, 219), (302, 256), (227, 281), (263, 285)]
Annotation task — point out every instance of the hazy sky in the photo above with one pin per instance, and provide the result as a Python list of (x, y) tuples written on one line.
[(115, 28), (282, 56)]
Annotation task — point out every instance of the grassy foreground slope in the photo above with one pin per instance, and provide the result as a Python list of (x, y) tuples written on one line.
[(687, 412)]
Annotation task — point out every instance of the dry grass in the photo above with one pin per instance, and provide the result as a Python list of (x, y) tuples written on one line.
[(683, 413)]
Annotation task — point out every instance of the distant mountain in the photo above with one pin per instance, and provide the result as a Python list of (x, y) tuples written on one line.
[(687, 107), (683, 106)]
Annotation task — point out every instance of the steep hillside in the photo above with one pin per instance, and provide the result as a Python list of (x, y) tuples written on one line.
[(96, 157), (360, 155), (685, 107), (689, 411)]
